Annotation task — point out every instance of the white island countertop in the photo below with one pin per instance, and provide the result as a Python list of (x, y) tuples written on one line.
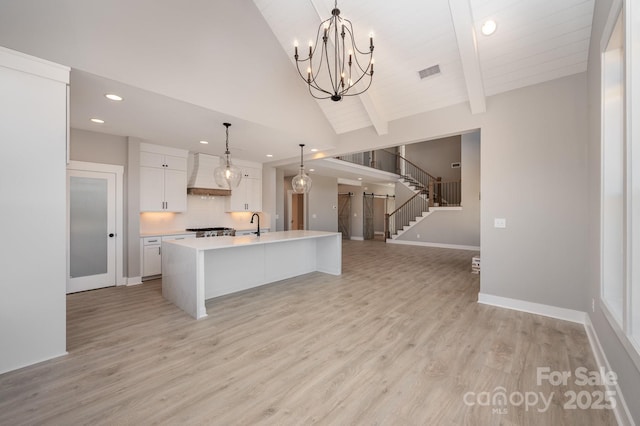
[(197, 269), (266, 238)]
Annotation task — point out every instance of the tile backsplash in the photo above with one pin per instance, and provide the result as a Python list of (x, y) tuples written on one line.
[(201, 212)]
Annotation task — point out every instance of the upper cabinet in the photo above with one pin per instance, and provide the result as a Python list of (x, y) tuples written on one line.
[(163, 179), (247, 197)]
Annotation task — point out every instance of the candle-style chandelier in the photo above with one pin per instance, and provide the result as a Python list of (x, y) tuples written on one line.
[(346, 73)]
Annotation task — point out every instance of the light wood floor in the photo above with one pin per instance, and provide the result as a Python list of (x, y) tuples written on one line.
[(398, 339)]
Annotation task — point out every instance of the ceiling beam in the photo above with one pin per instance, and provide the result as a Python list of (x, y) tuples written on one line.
[(373, 111), (468, 48)]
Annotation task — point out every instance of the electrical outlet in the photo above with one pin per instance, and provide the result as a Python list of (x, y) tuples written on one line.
[(418, 235), (499, 222)]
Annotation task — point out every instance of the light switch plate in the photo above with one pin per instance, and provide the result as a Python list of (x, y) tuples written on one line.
[(499, 222)]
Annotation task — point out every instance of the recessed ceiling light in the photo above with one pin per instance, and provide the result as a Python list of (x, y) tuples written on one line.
[(314, 149), (113, 97), (312, 170), (97, 120), (359, 178), (269, 155), (489, 27), (204, 142)]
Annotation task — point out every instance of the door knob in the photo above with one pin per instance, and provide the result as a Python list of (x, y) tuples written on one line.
[(112, 235)]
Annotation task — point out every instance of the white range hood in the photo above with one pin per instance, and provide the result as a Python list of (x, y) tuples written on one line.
[(200, 172)]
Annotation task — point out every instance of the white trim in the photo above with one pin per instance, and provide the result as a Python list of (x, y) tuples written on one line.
[(533, 308), (625, 340), (438, 245), (19, 61), (119, 172), (356, 238), (621, 411), (445, 208), (32, 363), (614, 12), (133, 281), (165, 150)]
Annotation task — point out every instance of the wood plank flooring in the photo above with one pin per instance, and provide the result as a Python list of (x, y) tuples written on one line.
[(398, 339)]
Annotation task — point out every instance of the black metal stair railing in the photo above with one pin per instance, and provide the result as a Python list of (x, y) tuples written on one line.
[(430, 190), (411, 209)]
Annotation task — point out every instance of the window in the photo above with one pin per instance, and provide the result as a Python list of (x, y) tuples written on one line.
[(613, 185), (620, 202)]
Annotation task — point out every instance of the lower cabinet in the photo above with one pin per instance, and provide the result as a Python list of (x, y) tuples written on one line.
[(151, 260), (152, 254)]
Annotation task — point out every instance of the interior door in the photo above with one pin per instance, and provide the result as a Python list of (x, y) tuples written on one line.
[(344, 215), (297, 211), (91, 207), (367, 213)]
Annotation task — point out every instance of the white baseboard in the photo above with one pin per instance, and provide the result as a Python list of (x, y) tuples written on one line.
[(533, 308), (17, 367), (357, 238), (438, 245), (134, 280), (621, 411)]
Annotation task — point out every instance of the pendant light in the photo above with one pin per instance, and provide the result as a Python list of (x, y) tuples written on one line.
[(301, 182), (227, 175)]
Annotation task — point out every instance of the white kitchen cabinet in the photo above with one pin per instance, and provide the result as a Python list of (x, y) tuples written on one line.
[(152, 257), (163, 179), (152, 253), (248, 195)]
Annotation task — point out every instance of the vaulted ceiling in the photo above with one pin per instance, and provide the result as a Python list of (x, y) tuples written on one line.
[(185, 66)]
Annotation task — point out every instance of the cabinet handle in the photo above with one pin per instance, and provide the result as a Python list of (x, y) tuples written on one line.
[(159, 252)]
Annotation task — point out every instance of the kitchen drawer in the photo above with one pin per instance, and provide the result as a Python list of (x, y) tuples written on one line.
[(147, 241), (178, 237)]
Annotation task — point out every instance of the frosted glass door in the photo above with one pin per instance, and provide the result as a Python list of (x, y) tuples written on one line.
[(88, 227), (91, 210)]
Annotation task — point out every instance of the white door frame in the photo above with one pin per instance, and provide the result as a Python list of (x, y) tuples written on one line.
[(119, 172)]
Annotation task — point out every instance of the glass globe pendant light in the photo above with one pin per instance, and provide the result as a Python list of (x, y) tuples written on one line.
[(301, 182), (227, 175)]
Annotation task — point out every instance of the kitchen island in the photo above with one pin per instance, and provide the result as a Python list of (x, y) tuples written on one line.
[(197, 269)]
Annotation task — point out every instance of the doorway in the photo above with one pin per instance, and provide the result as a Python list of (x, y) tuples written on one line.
[(296, 210), (94, 226)]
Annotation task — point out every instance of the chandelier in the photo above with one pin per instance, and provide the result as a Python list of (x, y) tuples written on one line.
[(301, 182), (226, 174), (346, 73)]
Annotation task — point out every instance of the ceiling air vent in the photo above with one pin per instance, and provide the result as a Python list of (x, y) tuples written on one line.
[(428, 72)]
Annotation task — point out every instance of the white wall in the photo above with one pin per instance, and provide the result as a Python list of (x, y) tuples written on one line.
[(534, 172), (460, 227), (323, 204), (97, 147), (33, 204), (435, 156)]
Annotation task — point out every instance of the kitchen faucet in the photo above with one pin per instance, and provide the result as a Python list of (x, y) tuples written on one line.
[(254, 215)]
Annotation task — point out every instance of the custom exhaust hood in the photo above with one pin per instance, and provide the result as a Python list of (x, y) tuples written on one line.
[(200, 172)]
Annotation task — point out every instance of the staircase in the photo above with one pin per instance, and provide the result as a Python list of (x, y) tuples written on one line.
[(428, 191), (411, 212)]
